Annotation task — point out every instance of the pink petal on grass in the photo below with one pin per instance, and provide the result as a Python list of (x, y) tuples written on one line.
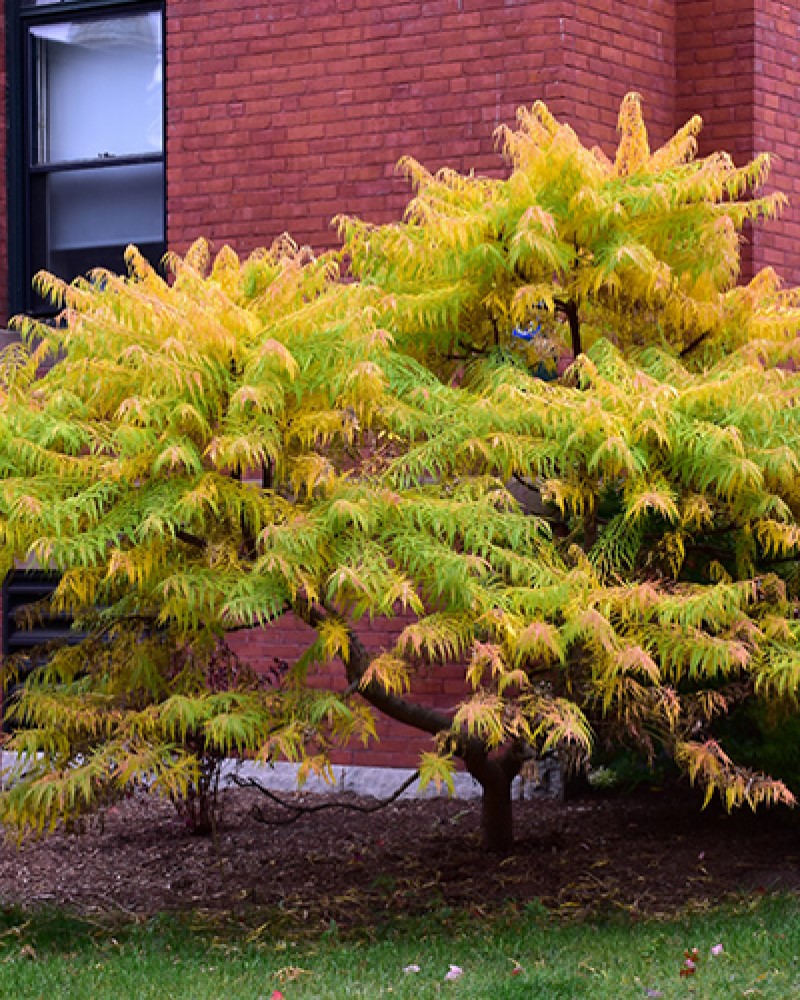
[(455, 972), (411, 968), (717, 949)]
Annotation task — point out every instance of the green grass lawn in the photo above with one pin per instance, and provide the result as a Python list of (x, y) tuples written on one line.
[(528, 954)]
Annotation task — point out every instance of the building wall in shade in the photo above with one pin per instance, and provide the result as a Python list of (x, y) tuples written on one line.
[(399, 745), (611, 48), (715, 63)]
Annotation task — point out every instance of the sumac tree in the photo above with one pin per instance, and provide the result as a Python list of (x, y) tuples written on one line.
[(611, 553)]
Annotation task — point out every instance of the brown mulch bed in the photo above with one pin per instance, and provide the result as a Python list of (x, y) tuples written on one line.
[(646, 855)]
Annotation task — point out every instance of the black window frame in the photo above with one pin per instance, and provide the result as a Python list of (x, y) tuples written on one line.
[(20, 19)]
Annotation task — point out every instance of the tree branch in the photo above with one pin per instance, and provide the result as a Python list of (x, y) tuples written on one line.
[(514, 758), (570, 310), (230, 629), (422, 717), (694, 344), (429, 720), (190, 539), (778, 560), (300, 811)]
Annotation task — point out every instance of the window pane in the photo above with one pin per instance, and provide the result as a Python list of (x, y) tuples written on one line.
[(82, 219), (97, 88), (103, 207)]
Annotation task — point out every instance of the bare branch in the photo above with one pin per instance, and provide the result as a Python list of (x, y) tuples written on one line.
[(693, 345), (300, 811), (190, 539)]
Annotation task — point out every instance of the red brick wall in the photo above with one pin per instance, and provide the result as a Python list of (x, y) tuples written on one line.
[(777, 128), (715, 63), (399, 745), (281, 115), (609, 50), (738, 65), (280, 119)]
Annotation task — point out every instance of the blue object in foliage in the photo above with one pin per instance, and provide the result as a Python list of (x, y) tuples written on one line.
[(527, 332)]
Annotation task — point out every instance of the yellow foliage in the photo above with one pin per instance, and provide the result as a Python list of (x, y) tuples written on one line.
[(708, 764), (388, 671), (383, 429)]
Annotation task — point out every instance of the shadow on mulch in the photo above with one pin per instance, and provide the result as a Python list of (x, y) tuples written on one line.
[(648, 855)]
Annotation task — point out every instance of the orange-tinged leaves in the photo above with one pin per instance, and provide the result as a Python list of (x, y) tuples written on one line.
[(635, 660), (485, 655), (561, 722), (438, 636), (540, 641), (389, 672), (274, 353), (708, 765), (482, 716)]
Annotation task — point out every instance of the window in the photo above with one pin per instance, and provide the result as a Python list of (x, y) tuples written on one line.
[(88, 139)]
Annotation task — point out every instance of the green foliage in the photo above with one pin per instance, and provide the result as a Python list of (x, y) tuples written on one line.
[(612, 554), (124, 472)]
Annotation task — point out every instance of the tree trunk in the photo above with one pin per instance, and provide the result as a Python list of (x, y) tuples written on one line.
[(497, 827), (494, 777)]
